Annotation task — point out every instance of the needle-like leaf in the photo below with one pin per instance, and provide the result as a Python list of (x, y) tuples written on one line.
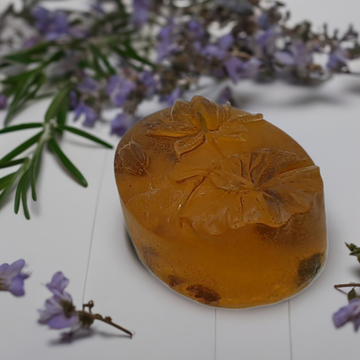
[(67, 163), (21, 127), (85, 135), (21, 148), (56, 103), (12, 163)]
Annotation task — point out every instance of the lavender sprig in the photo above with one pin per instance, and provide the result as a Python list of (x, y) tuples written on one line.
[(60, 313)]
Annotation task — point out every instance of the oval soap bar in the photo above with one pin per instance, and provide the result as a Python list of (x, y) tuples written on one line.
[(221, 205)]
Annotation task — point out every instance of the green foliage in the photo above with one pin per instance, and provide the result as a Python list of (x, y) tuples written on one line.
[(354, 250)]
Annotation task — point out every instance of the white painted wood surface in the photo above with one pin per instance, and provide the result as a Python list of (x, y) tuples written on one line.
[(81, 232)]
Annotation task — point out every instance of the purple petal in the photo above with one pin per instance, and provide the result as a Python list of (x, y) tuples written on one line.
[(224, 96), (121, 123), (284, 57), (80, 108), (61, 321), (88, 85), (141, 12), (17, 285), (58, 282), (14, 269), (172, 97), (232, 66), (90, 117), (3, 101), (73, 100), (351, 312), (226, 41), (3, 268)]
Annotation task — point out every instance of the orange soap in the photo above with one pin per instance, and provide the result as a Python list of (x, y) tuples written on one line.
[(221, 205)]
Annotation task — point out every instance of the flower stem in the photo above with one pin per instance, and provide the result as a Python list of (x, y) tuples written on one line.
[(108, 321), (346, 285)]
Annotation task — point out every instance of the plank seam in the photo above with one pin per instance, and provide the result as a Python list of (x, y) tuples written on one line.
[(93, 225)]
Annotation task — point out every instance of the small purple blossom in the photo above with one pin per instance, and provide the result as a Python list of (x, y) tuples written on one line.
[(73, 100), (337, 59), (3, 101), (224, 96), (296, 54), (350, 312), (172, 97), (12, 278), (166, 43), (90, 114), (237, 68), (220, 49), (118, 89), (59, 312), (148, 79), (88, 85), (141, 12), (51, 23), (121, 123)]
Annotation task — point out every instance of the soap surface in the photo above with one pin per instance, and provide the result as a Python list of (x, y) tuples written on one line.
[(221, 205)]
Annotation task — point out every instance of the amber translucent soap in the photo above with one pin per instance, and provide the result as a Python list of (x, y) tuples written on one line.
[(221, 205)]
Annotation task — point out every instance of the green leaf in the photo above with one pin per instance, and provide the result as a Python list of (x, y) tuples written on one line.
[(12, 163), (129, 52), (21, 148), (97, 52), (24, 92), (21, 58), (85, 135), (24, 202), (352, 294), (63, 110), (354, 250), (57, 102), (21, 127), (6, 180), (67, 163)]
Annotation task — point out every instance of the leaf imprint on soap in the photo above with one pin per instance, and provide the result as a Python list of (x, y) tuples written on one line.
[(262, 187), (199, 121)]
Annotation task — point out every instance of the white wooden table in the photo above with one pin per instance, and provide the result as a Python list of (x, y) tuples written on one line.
[(81, 232)]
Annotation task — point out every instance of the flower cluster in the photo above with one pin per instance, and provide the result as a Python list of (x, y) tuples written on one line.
[(110, 58), (59, 311), (12, 277), (350, 312)]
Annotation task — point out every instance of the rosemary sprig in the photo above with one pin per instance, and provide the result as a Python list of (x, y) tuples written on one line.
[(26, 175)]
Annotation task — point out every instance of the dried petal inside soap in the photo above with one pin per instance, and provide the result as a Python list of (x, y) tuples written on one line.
[(132, 159)]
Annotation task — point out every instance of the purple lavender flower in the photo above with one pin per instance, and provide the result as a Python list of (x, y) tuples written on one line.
[(121, 123), (265, 41), (224, 96), (140, 12), (220, 49), (88, 85), (337, 59), (59, 312), (73, 100), (350, 312), (118, 89), (166, 43), (237, 68), (172, 97), (3, 101), (148, 79), (296, 54), (90, 114), (12, 278), (51, 23)]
